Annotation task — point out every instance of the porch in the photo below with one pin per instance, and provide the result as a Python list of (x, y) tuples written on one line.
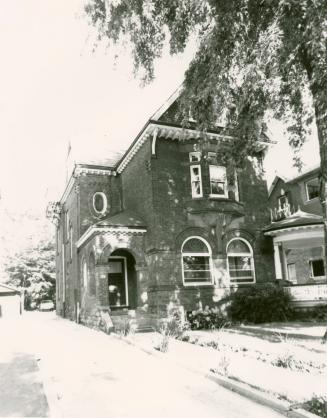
[(299, 254), (306, 296)]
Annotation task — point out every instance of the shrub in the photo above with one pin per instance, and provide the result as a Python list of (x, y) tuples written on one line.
[(206, 319), (317, 405), (264, 303)]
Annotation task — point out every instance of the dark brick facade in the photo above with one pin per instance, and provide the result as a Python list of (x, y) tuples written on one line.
[(152, 193)]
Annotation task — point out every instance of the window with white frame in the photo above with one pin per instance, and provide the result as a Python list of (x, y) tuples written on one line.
[(312, 188), (218, 181), (196, 181), (196, 262), (195, 157), (317, 268), (100, 202), (240, 261)]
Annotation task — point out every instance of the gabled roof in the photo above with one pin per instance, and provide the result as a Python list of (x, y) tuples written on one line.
[(274, 183), (298, 219), (306, 173)]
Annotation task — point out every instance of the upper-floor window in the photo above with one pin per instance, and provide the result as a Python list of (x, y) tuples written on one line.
[(100, 202), (195, 156), (218, 181), (240, 261), (196, 180), (312, 188), (196, 261)]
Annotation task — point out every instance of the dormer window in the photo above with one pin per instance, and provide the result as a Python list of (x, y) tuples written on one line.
[(312, 188), (100, 203)]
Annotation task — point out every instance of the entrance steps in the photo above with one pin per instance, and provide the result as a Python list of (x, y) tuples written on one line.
[(128, 320)]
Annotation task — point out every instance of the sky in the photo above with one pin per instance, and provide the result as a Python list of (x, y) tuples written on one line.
[(56, 90)]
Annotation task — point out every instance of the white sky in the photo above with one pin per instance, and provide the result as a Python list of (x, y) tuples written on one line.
[(55, 90)]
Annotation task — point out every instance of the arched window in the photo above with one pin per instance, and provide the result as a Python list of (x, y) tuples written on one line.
[(100, 202), (84, 273), (196, 262), (240, 261)]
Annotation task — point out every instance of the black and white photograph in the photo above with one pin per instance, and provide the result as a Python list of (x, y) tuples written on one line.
[(163, 208)]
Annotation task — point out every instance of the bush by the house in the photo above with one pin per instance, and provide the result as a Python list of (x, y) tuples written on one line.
[(209, 318), (261, 303), (317, 405)]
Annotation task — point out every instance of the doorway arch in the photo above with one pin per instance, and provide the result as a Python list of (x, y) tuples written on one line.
[(122, 280)]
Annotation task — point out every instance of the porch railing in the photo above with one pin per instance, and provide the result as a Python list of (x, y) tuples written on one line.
[(314, 292)]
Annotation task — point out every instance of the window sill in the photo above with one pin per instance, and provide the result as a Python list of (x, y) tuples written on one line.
[(219, 196), (197, 284)]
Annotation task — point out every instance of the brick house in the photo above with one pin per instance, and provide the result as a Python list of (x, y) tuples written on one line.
[(297, 232), (166, 225)]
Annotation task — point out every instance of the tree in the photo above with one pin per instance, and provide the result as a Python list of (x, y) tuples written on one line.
[(255, 58), (33, 270)]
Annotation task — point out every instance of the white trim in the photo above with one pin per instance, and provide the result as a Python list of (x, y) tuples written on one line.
[(126, 278), (240, 255), (163, 108), (224, 181), (196, 154), (278, 232), (105, 203), (207, 254), (108, 229), (194, 196)]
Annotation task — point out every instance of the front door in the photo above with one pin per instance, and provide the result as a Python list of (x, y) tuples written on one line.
[(117, 282)]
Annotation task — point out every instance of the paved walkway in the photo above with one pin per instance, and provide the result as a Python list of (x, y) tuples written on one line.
[(21, 387), (89, 374)]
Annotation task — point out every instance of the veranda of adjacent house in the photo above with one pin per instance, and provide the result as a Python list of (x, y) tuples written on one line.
[(299, 263)]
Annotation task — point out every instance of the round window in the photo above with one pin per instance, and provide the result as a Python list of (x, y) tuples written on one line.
[(99, 202)]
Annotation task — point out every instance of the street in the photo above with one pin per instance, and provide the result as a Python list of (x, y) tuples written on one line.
[(85, 373)]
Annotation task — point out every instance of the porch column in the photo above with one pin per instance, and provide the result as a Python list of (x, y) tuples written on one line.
[(142, 284), (101, 276), (278, 265)]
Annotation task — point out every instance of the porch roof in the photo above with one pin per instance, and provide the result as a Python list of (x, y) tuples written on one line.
[(126, 222), (127, 218), (296, 220)]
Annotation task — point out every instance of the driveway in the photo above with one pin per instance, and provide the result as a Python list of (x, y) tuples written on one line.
[(86, 373)]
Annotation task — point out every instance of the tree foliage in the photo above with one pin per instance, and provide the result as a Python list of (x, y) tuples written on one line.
[(33, 269), (254, 58)]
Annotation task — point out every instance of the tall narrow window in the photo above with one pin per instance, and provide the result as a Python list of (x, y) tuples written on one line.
[(240, 261), (218, 181), (196, 262), (312, 187), (196, 180)]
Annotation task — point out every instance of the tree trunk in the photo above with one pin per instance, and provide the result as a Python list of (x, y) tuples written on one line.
[(320, 109)]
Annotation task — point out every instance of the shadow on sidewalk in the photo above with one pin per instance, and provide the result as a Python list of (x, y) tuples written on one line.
[(21, 390)]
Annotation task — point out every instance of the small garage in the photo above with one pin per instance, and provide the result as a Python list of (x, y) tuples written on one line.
[(10, 301)]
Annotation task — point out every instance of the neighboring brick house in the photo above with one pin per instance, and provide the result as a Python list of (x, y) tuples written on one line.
[(164, 226), (297, 231)]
